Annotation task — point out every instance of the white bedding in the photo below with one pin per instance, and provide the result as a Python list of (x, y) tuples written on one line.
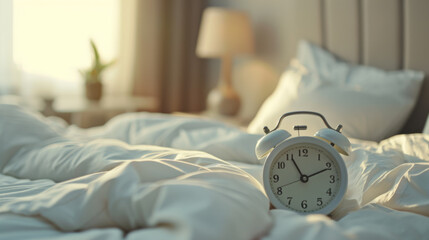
[(154, 176)]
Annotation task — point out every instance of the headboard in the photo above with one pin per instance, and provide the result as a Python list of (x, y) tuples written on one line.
[(389, 34)]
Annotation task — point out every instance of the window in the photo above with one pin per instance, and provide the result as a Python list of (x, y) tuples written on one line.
[(51, 42)]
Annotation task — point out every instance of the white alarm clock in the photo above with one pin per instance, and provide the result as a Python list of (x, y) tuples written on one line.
[(305, 174)]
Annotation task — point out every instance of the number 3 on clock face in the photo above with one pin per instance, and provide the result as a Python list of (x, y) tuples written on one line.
[(306, 175)]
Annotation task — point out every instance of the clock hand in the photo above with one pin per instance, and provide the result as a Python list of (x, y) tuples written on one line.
[(318, 172), (294, 163), (303, 178), (290, 183)]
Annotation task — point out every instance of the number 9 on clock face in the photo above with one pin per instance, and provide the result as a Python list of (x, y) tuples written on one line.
[(306, 175)]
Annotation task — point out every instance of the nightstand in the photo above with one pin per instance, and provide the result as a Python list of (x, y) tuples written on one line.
[(86, 113)]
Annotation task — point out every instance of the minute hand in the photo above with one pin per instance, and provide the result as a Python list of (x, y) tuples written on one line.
[(294, 163), (318, 172)]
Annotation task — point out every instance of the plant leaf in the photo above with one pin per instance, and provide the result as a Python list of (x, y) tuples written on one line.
[(96, 54), (93, 74)]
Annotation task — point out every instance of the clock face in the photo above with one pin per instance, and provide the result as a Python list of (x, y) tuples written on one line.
[(305, 176)]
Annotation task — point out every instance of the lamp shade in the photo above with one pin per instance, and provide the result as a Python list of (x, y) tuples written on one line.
[(224, 32)]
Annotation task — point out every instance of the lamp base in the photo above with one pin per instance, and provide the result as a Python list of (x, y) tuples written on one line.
[(224, 101)]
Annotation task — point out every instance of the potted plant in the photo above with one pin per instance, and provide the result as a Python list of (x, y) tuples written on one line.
[(92, 75)]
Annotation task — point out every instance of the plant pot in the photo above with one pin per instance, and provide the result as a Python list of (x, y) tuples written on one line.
[(93, 90)]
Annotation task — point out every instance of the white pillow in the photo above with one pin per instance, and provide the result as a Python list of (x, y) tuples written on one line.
[(370, 103), (426, 129)]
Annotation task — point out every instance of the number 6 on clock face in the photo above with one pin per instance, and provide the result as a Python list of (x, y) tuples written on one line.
[(306, 175)]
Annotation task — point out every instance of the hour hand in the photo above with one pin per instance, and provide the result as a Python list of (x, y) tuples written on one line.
[(318, 172)]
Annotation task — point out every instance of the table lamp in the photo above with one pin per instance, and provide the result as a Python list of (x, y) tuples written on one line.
[(224, 34)]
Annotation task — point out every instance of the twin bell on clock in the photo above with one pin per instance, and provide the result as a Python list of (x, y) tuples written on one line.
[(305, 174)]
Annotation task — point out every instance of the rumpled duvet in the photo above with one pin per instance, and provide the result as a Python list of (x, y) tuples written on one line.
[(156, 176)]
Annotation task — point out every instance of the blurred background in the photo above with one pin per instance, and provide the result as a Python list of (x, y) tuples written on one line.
[(148, 48)]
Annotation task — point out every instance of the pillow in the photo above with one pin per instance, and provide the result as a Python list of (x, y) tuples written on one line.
[(426, 129), (370, 103)]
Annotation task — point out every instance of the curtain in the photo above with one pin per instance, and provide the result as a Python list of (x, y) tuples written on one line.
[(158, 52)]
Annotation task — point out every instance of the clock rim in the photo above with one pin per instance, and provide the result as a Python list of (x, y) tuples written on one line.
[(330, 207)]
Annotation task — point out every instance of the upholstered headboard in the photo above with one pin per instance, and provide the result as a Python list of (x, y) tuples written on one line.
[(389, 34)]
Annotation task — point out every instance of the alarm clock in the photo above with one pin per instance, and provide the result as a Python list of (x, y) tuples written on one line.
[(305, 174)]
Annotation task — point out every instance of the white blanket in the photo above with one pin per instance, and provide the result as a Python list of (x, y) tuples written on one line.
[(154, 176)]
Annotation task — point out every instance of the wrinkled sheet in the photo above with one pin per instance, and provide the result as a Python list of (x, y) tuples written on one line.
[(155, 176)]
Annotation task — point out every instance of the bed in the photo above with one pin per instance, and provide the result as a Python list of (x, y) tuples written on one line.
[(161, 176)]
